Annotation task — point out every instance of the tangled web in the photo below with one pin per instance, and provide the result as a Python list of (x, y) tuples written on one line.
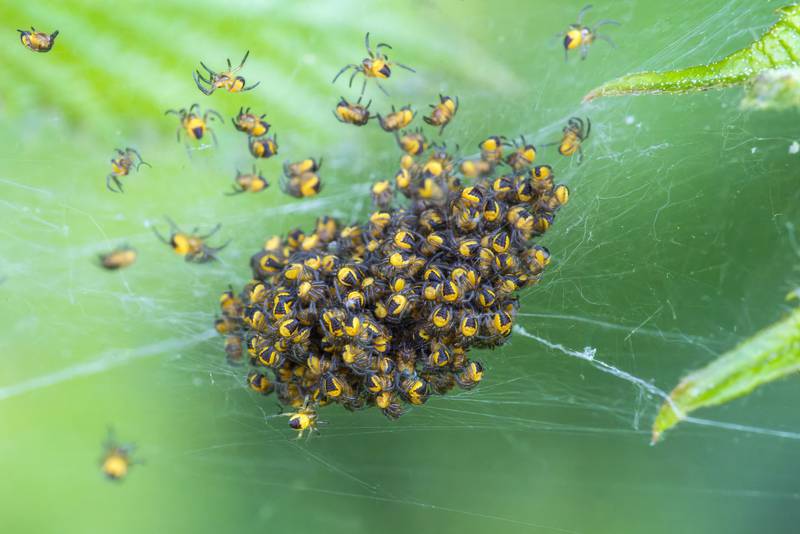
[(677, 243)]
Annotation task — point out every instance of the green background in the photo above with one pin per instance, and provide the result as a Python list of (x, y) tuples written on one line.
[(678, 243)]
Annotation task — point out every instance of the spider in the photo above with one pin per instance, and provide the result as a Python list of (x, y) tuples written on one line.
[(223, 80), (121, 166), (193, 124), (349, 113), (377, 66), (116, 460), (575, 133), (37, 41), (305, 418), (191, 246), (252, 182), (442, 113), (580, 36)]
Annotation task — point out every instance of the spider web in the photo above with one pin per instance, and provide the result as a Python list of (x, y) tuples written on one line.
[(678, 242)]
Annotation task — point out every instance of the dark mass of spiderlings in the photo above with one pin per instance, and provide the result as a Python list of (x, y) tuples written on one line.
[(384, 313)]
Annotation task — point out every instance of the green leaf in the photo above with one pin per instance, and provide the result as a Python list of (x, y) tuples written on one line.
[(779, 47), (770, 354), (773, 89)]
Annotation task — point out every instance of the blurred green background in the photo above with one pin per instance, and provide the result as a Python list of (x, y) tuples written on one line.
[(679, 242)]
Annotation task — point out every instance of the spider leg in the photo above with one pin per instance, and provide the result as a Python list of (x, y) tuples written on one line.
[(215, 114), (170, 111), (605, 22), (580, 154), (341, 71), (212, 232), (363, 86), (203, 90), (246, 54), (195, 257), (235, 191), (132, 151), (141, 161), (588, 128), (213, 136), (582, 12), (214, 250), (252, 87), (350, 84), (210, 72), (178, 135), (194, 106), (111, 178), (379, 87), (366, 45), (404, 66), (230, 67), (606, 39), (172, 226), (584, 52), (160, 237), (200, 77), (110, 438)]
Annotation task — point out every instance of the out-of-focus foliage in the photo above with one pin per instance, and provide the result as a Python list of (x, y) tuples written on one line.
[(773, 89)]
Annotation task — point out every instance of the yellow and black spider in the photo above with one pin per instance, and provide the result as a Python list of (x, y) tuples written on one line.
[(442, 113), (250, 123), (356, 113), (250, 182), (121, 165), (226, 80), (397, 119), (193, 124), (190, 245), (523, 156), (376, 66), (291, 169), (307, 184), (575, 133), (581, 37), (305, 418), (116, 460), (263, 147), (37, 41)]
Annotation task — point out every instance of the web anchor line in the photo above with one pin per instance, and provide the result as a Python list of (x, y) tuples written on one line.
[(588, 354)]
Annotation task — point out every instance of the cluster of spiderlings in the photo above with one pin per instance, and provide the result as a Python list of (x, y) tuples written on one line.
[(384, 313)]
